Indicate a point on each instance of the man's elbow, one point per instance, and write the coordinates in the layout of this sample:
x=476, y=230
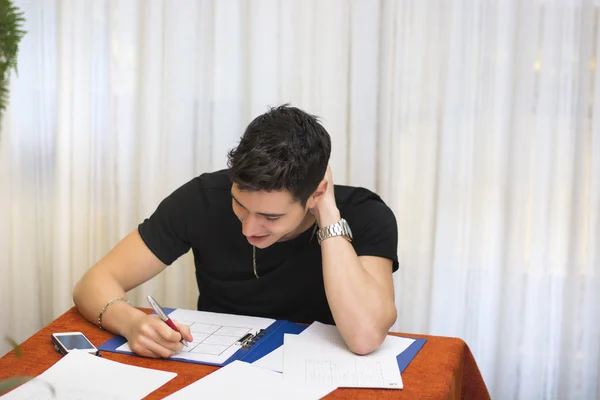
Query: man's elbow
x=363, y=347
x=81, y=289
x=367, y=341
x=77, y=293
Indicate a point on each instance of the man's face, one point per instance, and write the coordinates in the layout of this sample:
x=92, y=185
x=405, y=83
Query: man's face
x=267, y=217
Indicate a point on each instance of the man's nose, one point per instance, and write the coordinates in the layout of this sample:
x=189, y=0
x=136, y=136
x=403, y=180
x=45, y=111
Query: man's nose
x=251, y=226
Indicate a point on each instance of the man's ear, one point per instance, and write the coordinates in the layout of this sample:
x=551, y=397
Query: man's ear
x=317, y=194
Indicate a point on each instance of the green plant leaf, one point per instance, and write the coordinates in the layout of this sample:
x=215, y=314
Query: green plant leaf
x=12, y=383
x=16, y=346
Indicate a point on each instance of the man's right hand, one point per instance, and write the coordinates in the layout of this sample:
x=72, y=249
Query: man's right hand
x=149, y=336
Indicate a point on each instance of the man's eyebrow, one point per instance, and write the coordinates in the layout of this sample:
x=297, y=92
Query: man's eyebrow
x=263, y=214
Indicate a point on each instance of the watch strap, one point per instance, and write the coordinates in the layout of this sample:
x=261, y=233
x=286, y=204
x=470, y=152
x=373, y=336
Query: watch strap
x=340, y=228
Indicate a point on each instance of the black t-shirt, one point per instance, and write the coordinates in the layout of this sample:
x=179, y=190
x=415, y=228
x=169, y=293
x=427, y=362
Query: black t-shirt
x=199, y=216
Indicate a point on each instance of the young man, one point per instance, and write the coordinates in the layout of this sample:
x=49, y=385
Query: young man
x=271, y=236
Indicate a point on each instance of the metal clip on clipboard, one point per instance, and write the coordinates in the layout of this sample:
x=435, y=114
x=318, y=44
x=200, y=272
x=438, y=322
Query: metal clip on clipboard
x=248, y=340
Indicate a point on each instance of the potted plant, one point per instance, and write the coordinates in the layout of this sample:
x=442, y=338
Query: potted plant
x=11, y=33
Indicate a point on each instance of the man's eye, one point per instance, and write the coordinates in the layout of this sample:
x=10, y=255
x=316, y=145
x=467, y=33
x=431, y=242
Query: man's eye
x=271, y=219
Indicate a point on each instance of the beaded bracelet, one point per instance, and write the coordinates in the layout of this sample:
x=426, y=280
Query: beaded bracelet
x=108, y=305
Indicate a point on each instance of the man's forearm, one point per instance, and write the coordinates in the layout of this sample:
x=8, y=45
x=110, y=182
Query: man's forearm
x=93, y=292
x=361, y=307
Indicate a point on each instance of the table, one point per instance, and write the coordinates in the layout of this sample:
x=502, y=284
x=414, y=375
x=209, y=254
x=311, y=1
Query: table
x=443, y=369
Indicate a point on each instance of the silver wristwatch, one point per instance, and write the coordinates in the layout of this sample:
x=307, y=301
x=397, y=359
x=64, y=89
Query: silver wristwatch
x=340, y=228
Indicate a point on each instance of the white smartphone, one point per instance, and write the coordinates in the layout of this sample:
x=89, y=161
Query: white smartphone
x=65, y=342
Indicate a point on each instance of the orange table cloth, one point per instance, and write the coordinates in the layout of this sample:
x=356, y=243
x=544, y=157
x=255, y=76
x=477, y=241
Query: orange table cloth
x=443, y=369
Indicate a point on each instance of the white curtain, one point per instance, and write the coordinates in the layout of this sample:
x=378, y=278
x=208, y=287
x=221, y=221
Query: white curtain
x=478, y=122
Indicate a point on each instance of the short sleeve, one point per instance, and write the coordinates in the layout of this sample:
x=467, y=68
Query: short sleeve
x=166, y=231
x=374, y=230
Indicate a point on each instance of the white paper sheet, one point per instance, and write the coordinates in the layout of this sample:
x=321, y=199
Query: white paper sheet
x=240, y=380
x=392, y=345
x=311, y=361
x=79, y=376
x=272, y=361
x=215, y=335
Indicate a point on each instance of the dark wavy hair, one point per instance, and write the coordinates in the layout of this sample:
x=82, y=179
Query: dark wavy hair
x=282, y=149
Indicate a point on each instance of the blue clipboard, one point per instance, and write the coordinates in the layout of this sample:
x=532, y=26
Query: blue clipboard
x=270, y=339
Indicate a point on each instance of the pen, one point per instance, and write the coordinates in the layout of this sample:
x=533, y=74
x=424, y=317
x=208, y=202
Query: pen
x=163, y=315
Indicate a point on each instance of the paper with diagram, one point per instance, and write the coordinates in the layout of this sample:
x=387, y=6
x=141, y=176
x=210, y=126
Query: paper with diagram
x=310, y=361
x=80, y=375
x=216, y=336
x=392, y=345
